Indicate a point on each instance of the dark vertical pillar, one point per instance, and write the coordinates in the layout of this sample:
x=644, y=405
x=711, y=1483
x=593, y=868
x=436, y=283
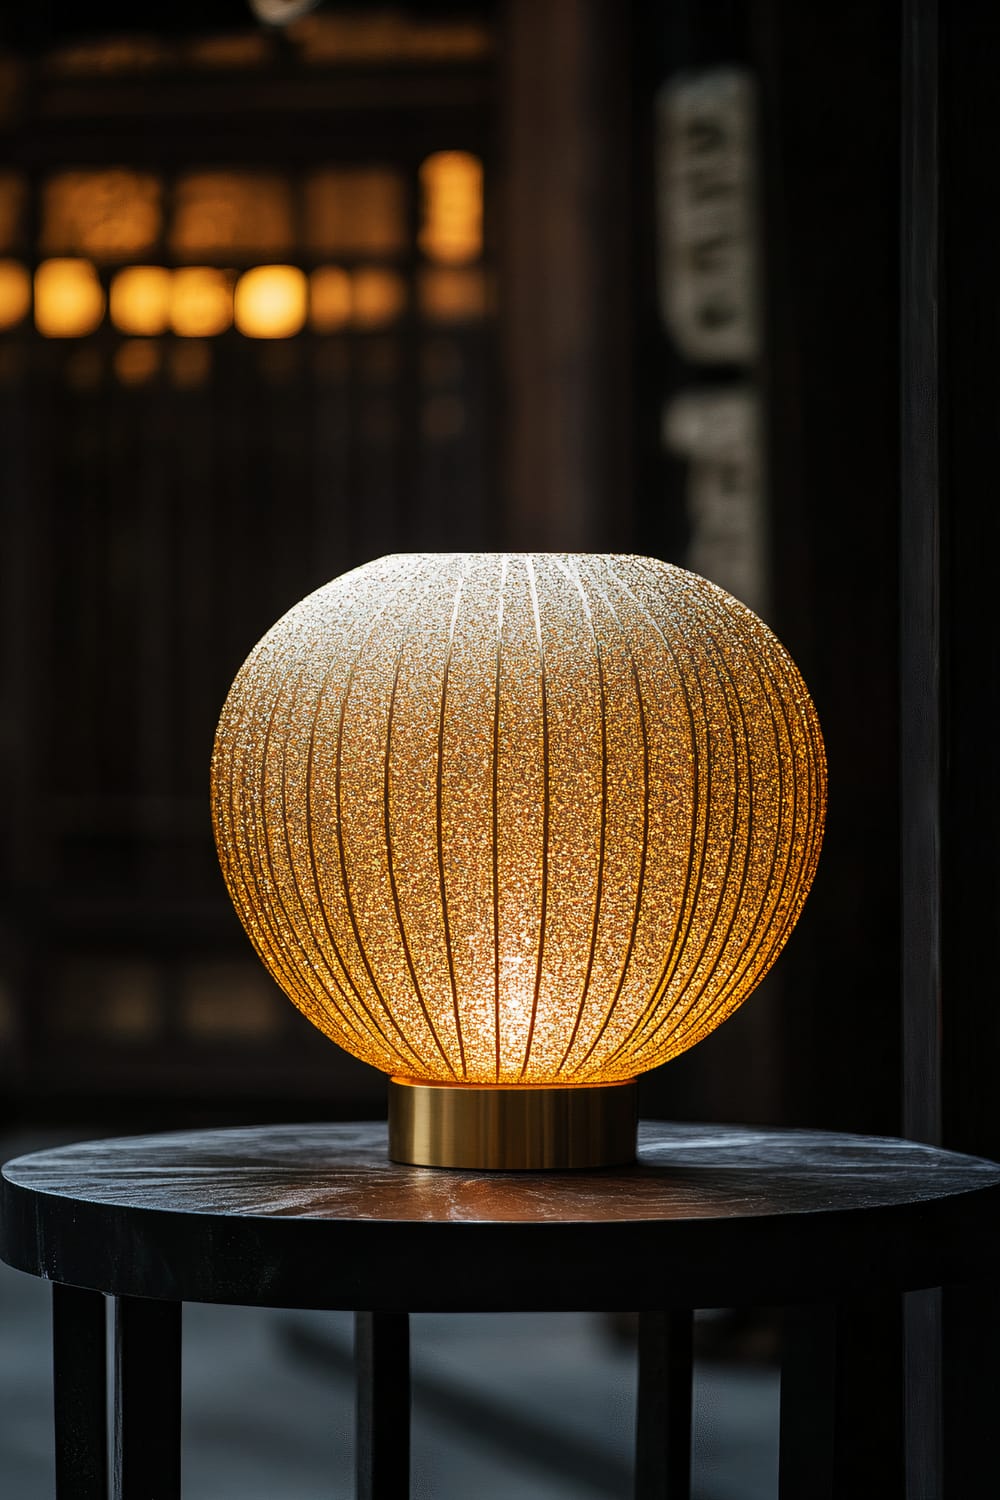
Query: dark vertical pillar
x=382, y=1368
x=970, y=691
x=950, y=531
x=563, y=273
x=147, y=1457
x=970, y=552
x=79, y=1360
x=920, y=616
x=829, y=98
x=920, y=690
x=841, y=1401
x=663, y=1417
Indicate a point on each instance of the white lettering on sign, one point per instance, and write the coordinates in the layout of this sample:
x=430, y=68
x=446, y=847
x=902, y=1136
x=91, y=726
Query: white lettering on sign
x=705, y=189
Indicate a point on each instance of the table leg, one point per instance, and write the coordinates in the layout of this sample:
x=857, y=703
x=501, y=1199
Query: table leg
x=922, y=1401
x=382, y=1368
x=147, y=1456
x=79, y=1371
x=842, y=1401
x=970, y=1325
x=663, y=1418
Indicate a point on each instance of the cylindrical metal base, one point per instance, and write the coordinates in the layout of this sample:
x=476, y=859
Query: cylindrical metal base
x=498, y=1128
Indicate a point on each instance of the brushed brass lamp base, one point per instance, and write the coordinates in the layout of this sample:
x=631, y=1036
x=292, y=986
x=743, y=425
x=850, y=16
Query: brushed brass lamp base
x=500, y=1128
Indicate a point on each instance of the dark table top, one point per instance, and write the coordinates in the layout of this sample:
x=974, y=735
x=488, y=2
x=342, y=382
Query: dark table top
x=317, y=1216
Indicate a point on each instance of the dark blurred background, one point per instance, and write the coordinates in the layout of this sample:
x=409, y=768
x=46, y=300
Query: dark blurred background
x=570, y=275
x=285, y=287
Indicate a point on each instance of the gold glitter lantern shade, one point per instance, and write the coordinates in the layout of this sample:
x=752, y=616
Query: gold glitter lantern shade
x=516, y=828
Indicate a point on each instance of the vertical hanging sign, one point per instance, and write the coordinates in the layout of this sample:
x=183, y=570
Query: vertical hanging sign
x=706, y=186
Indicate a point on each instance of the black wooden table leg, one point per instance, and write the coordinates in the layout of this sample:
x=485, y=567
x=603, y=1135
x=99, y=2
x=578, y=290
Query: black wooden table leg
x=147, y=1459
x=842, y=1401
x=382, y=1366
x=970, y=1324
x=79, y=1369
x=663, y=1419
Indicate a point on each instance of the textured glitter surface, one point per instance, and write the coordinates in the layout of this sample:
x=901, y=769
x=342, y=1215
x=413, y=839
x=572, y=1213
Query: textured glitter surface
x=512, y=818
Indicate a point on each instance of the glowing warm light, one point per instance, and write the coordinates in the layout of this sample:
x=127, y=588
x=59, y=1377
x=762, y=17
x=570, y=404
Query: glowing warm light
x=106, y=214
x=15, y=293
x=271, y=302
x=452, y=295
x=140, y=300
x=452, y=187
x=201, y=302
x=385, y=35
x=330, y=299
x=231, y=213
x=69, y=299
x=518, y=819
x=379, y=297
x=137, y=361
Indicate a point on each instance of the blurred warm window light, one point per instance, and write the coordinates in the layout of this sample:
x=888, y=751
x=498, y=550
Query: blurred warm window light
x=140, y=299
x=331, y=299
x=104, y=215
x=15, y=293
x=89, y=216
x=69, y=298
x=372, y=36
x=219, y=214
x=271, y=302
x=451, y=185
x=115, y=214
x=452, y=295
x=379, y=297
x=201, y=301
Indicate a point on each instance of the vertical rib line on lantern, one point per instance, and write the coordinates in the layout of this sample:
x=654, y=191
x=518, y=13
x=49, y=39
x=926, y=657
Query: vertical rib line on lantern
x=348, y=901
x=293, y=873
x=266, y=940
x=496, y=814
x=599, y=884
x=642, y=1037
x=365, y=638
x=707, y=1022
x=733, y=905
x=750, y=948
x=699, y=796
x=440, y=829
x=390, y=861
x=351, y=986
x=545, y=816
x=641, y=876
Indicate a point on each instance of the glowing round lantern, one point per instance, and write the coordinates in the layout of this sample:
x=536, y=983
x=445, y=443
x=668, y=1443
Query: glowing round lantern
x=516, y=828
x=69, y=299
x=201, y=302
x=140, y=299
x=271, y=302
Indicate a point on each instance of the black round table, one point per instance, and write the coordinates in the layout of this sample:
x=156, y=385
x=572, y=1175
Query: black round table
x=316, y=1216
